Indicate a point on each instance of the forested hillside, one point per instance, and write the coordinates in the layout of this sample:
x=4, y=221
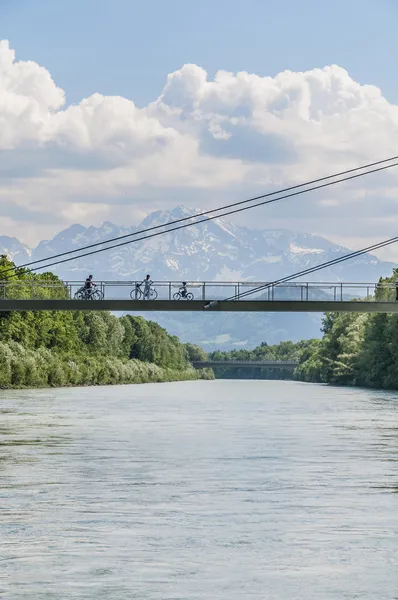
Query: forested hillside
x=356, y=349
x=39, y=349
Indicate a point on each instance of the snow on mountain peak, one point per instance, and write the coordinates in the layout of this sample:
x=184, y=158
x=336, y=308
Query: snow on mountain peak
x=299, y=250
x=162, y=217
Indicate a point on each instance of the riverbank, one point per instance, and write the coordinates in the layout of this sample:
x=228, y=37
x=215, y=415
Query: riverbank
x=356, y=350
x=22, y=368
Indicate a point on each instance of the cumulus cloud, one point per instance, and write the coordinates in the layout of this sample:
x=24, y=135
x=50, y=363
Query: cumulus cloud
x=201, y=141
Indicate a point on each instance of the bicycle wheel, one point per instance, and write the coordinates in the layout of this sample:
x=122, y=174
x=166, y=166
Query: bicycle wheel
x=97, y=295
x=136, y=294
x=79, y=295
x=177, y=296
x=190, y=296
x=153, y=295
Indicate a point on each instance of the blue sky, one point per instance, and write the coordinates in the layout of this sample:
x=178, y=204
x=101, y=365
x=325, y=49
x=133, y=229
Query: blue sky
x=126, y=47
x=200, y=136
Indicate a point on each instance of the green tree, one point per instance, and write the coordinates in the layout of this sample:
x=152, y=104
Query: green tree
x=80, y=348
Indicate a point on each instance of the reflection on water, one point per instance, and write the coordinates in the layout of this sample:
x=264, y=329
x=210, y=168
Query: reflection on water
x=201, y=490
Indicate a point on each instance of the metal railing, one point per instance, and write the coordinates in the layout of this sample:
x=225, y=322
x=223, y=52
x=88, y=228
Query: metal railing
x=208, y=290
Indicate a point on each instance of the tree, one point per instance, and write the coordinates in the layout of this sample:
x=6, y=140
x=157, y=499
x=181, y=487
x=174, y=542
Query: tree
x=196, y=353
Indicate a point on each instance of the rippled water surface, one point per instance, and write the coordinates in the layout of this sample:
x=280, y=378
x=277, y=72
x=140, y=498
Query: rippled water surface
x=203, y=490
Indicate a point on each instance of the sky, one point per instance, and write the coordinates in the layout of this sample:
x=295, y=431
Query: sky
x=110, y=109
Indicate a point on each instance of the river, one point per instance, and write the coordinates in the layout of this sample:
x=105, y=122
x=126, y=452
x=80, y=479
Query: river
x=220, y=490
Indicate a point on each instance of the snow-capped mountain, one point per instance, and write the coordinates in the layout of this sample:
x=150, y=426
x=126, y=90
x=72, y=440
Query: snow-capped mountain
x=216, y=250
x=17, y=252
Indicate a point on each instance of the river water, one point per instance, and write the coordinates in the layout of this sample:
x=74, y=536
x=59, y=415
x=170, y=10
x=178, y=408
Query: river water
x=217, y=490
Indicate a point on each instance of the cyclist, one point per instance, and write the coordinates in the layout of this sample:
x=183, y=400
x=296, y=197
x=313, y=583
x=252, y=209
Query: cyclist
x=88, y=286
x=147, y=286
x=183, y=289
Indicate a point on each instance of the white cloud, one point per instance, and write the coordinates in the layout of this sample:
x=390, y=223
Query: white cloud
x=28, y=97
x=201, y=141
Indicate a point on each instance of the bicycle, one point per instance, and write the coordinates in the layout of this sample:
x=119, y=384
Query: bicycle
x=137, y=293
x=83, y=294
x=179, y=296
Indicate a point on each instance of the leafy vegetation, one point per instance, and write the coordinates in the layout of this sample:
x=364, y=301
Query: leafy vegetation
x=57, y=348
x=356, y=349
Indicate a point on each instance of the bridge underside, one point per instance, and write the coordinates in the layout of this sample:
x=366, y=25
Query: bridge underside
x=244, y=365
x=199, y=306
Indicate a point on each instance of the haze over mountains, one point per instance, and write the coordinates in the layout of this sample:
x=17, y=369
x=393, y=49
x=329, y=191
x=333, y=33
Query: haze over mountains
x=214, y=251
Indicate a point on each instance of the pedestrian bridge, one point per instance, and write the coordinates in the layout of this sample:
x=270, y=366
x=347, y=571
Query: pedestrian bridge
x=124, y=296
x=246, y=364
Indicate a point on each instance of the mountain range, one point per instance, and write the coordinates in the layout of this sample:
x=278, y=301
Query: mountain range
x=216, y=250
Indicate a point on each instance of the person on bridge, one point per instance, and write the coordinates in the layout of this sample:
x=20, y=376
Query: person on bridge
x=147, y=286
x=88, y=286
x=183, y=289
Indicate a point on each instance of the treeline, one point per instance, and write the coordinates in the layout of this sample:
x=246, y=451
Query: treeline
x=356, y=349
x=281, y=351
x=50, y=348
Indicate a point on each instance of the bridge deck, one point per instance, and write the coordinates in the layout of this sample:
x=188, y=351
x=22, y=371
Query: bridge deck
x=296, y=306
x=274, y=364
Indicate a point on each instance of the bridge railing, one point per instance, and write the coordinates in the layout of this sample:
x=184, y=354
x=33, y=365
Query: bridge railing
x=209, y=290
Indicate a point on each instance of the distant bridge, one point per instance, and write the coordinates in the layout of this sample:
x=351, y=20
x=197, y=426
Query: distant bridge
x=124, y=296
x=246, y=364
